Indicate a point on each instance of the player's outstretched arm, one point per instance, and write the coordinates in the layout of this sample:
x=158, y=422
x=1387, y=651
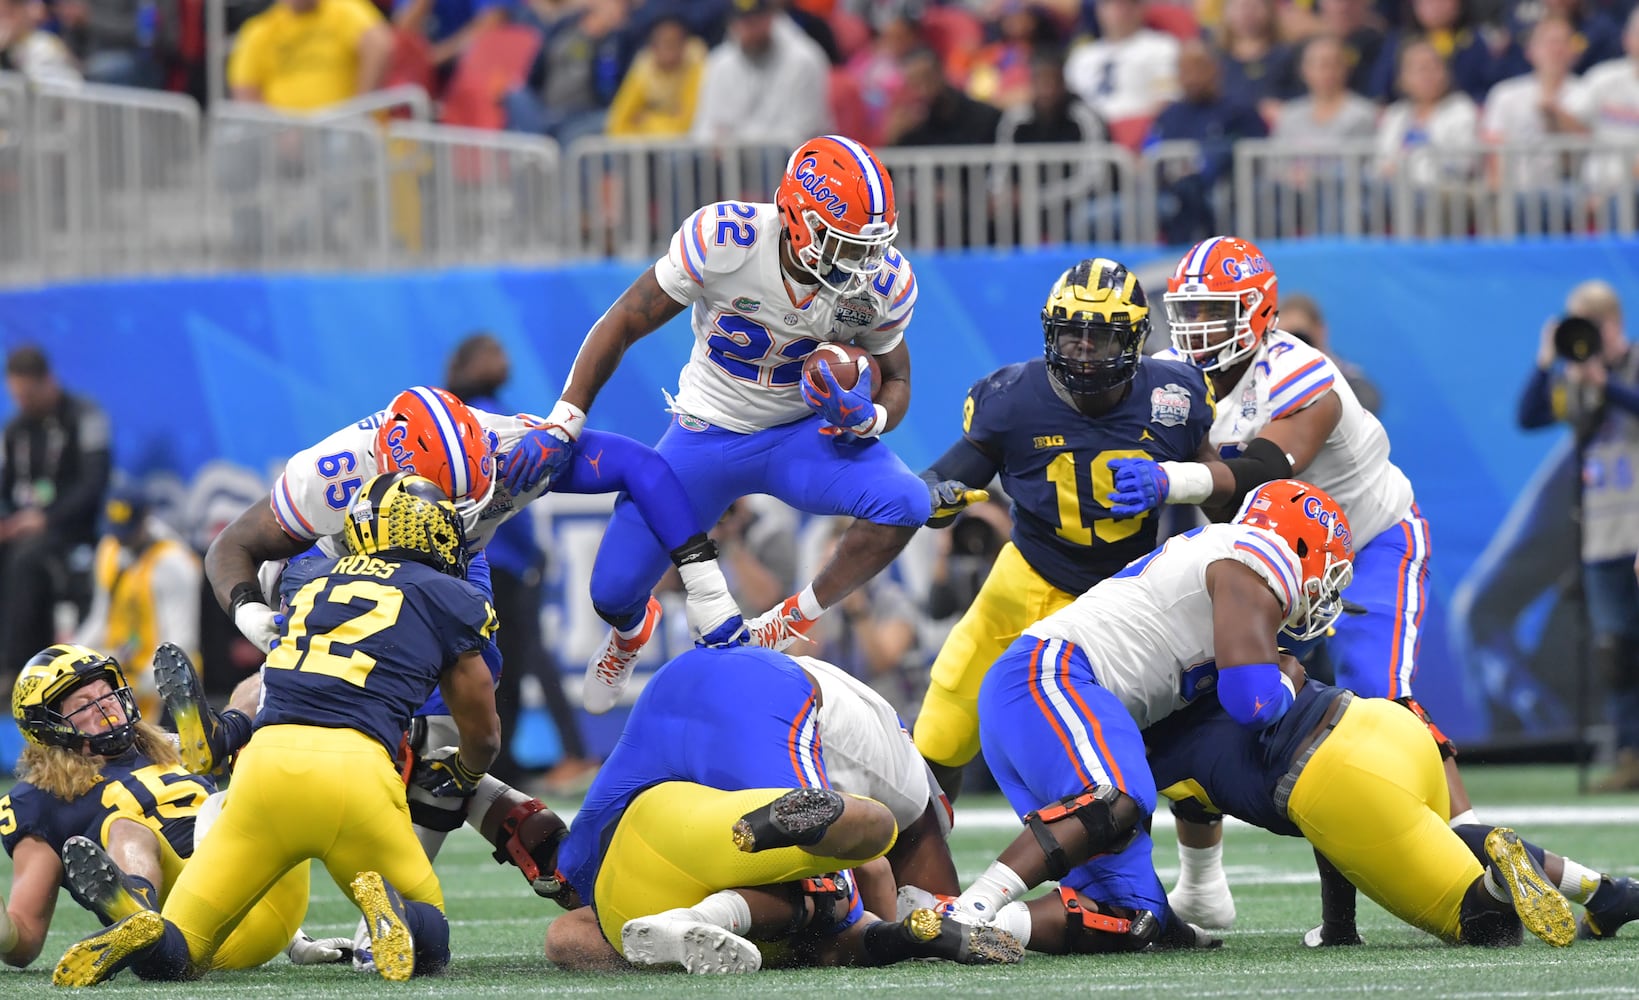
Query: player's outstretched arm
x=36, y=873
x=469, y=691
x=1246, y=618
x=641, y=310
x=956, y=480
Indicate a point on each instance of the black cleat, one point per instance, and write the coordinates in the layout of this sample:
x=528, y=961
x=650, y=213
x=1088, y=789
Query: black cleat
x=928, y=935
x=97, y=883
x=798, y=818
x=1615, y=903
x=198, y=730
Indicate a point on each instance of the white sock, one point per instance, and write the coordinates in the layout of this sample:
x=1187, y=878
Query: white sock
x=1014, y=918
x=1199, y=866
x=727, y=909
x=1463, y=819
x=997, y=887
x=1498, y=893
x=431, y=840
x=1578, y=882
x=808, y=604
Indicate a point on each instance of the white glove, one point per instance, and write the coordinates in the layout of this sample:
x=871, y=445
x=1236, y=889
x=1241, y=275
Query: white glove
x=304, y=950
x=714, y=617
x=259, y=623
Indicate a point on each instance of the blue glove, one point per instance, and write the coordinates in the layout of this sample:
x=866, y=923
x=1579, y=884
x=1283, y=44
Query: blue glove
x=842, y=408
x=543, y=454
x=1140, y=486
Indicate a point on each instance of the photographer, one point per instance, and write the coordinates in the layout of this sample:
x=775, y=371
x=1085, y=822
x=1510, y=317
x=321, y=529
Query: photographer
x=1587, y=377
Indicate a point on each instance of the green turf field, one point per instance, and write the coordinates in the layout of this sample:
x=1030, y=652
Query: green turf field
x=498, y=928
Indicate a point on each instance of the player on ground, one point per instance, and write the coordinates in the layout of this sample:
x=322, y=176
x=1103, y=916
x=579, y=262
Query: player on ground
x=1285, y=410
x=492, y=465
x=367, y=642
x=651, y=850
x=1050, y=427
x=104, y=808
x=765, y=286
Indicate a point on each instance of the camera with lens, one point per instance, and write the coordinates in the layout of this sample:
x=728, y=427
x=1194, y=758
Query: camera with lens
x=1577, y=339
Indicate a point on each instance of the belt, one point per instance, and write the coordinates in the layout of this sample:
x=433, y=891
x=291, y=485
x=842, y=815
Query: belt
x=1283, y=788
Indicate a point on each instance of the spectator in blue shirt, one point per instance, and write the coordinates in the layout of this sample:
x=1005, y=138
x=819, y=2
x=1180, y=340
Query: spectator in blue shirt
x=1448, y=26
x=1598, y=37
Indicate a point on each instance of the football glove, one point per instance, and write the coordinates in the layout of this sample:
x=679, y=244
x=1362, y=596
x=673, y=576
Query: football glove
x=259, y=623
x=304, y=950
x=1140, y=486
x=950, y=497
x=442, y=774
x=849, y=410
x=541, y=456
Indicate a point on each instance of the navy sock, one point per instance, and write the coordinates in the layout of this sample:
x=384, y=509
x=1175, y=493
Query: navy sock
x=1473, y=834
x=233, y=732
x=166, y=960
x=432, y=937
x=142, y=889
x=1606, y=895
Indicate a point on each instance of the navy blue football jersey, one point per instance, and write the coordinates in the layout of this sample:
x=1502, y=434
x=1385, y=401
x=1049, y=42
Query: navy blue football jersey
x=366, y=644
x=1234, y=766
x=1054, y=461
x=166, y=797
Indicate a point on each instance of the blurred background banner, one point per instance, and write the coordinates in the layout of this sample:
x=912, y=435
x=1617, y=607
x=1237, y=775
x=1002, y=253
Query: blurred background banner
x=213, y=382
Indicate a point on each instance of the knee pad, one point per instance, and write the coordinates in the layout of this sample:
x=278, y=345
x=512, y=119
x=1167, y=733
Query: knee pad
x=1192, y=811
x=1105, y=928
x=1109, y=815
x=1448, y=749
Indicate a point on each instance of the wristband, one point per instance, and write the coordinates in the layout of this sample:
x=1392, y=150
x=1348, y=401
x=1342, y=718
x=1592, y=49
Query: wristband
x=244, y=593
x=1188, y=482
x=568, y=418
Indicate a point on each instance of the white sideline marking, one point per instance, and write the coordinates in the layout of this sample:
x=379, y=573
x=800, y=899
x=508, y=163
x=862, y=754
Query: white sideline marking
x=1521, y=816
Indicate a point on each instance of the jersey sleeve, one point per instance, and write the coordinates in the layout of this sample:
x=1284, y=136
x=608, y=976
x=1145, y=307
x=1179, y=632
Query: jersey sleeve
x=896, y=286
x=1271, y=559
x=985, y=412
x=1203, y=407
x=682, y=272
x=466, y=620
x=1298, y=377
x=23, y=814
x=310, y=497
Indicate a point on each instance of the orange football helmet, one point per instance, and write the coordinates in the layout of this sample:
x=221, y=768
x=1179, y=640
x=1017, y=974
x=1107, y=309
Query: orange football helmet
x=436, y=436
x=1220, y=302
x=1316, y=530
x=837, y=205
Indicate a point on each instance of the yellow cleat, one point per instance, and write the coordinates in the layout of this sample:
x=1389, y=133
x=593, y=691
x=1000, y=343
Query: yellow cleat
x=1541, y=908
x=391, y=943
x=98, y=957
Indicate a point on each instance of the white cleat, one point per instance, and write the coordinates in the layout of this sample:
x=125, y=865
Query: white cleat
x=1209, y=905
x=780, y=627
x=610, y=670
x=677, y=937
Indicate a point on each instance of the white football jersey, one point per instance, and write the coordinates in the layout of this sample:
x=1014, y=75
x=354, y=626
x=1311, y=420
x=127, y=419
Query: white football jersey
x=1287, y=375
x=750, y=333
x=867, y=750
x=310, y=498
x=1147, y=631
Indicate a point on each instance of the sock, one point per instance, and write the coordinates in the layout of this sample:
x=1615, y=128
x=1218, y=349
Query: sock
x=431, y=840
x=1199, y=866
x=1606, y=891
x=432, y=937
x=997, y=887
x=1498, y=892
x=726, y=909
x=142, y=889
x=1464, y=818
x=489, y=789
x=1579, y=883
x=808, y=604
x=233, y=732
x=1014, y=918
x=166, y=960
x=1337, y=901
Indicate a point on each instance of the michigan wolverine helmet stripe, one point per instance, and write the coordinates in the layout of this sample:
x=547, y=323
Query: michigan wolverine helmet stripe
x=48, y=677
x=399, y=515
x=1095, y=321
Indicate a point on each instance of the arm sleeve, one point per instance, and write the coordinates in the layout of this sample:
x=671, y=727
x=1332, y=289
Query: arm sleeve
x=78, y=505
x=608, y=463
x=1254, y=694
x=1536, y=403
x=964, y=462
x=682, y=272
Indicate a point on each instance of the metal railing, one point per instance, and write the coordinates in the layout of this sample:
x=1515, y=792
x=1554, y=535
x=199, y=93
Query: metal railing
x=16, y=204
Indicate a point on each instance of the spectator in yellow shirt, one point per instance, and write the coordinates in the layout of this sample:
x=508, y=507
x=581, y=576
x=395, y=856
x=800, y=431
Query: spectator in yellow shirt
x=657, y=98
x=302, y=55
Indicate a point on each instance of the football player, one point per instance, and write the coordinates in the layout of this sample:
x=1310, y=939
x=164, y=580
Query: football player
x=367, y=641
x=766, y=285
x=491, y=465
x=1050, y=427
x=104, y=808
x=705, y=799
x=1284, y=409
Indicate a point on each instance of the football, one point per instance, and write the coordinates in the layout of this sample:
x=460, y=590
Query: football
x=846, y=362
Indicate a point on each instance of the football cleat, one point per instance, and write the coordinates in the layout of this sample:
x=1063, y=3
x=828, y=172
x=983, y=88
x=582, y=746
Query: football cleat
x=931, y=936
x=392, y=946
x=1602, y=917
x=679, y=937
x=1207, y=904
x=799, y=818
x=97, y=958
x=98, y=883
x=1320, y=937
x=1541, y=908
x=610, y=670
x=779, y=628
x=198, y=731
x=910, y=898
